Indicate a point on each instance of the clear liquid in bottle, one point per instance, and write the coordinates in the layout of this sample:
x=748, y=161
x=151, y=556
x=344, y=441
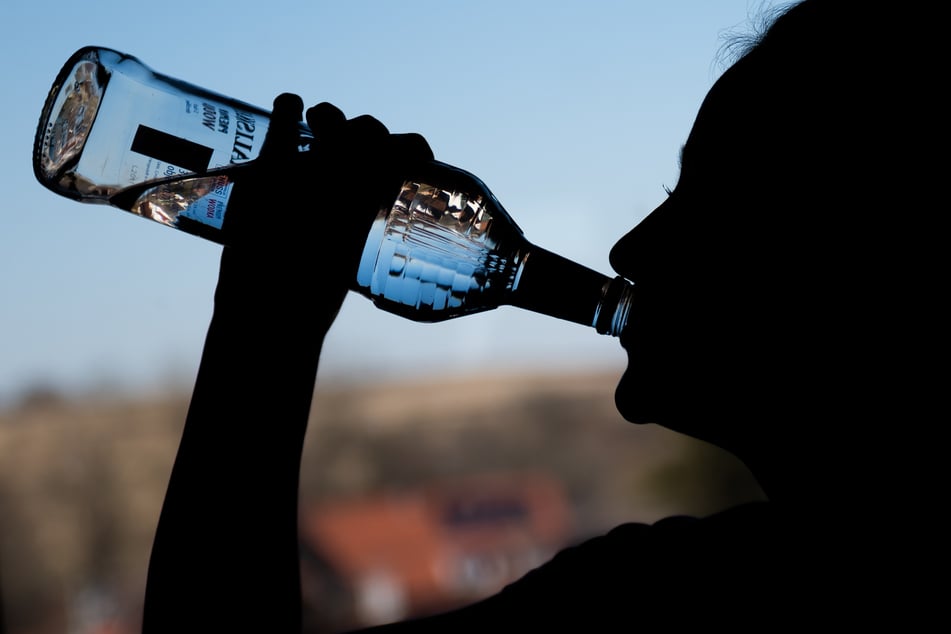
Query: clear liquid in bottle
x=446, y=250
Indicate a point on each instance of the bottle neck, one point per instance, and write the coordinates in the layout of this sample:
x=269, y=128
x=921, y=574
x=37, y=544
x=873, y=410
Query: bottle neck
x=553, y=285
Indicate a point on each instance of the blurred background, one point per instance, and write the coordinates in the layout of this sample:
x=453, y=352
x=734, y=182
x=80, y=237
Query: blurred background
x=487, y=442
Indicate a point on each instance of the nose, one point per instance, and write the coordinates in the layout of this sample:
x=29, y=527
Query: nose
x=639, y=248
x=619, y=257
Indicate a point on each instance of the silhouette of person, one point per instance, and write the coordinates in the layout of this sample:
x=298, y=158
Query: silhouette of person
x=785, y=299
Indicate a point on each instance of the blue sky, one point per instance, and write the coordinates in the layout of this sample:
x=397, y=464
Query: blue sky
x=572, y=112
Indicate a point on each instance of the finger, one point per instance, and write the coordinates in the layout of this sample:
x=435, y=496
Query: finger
x=284, y=128
x=288, y=107
x=366, y=131
x=325, y=119
x=411, y=146
x=362, y=140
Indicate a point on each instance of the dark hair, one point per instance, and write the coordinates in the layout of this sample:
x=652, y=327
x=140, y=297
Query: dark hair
x=739, y=41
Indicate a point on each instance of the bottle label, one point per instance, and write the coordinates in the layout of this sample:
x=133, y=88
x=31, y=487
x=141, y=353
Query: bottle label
x=169, y=133
x=210, y=208
x=201, y=199
x=174, y=150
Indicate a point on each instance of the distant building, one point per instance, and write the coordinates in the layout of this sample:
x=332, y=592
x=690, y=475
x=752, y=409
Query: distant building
x=395, y=555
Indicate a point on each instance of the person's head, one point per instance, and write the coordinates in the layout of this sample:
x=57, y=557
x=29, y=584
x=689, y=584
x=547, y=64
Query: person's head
x=758, y=278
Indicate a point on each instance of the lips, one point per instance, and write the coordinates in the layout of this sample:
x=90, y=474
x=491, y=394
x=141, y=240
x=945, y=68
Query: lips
x=626, y=337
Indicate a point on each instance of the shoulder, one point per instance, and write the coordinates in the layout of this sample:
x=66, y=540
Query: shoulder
x=674, y=572
x=674, y=545
x=721, y=564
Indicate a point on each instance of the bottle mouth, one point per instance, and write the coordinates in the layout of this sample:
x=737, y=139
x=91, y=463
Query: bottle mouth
x=617, y=297
x=66, y=119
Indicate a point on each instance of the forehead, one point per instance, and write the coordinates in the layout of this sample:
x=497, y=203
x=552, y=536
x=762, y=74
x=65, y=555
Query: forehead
x=737, y=120
x=716, y=128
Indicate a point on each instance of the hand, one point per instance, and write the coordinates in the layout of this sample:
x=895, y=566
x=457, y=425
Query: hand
x=300, y=219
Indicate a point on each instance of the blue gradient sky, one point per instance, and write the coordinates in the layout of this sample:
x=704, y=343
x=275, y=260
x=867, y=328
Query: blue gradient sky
x=572, y=112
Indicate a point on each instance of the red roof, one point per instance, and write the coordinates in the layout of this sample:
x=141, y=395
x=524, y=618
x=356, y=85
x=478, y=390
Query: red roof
x=444, y=544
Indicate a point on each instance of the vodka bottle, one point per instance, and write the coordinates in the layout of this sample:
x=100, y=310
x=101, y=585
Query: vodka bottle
x=114, y=132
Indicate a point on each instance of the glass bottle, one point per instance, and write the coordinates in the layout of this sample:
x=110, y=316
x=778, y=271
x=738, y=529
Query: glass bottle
x=114, y=132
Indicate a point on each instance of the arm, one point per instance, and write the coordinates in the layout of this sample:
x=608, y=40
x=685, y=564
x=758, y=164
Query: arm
x=227, y=534
x=225, y=555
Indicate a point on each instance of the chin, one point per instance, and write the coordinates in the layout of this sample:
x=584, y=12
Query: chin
x=633, y=404
x=642, y=403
